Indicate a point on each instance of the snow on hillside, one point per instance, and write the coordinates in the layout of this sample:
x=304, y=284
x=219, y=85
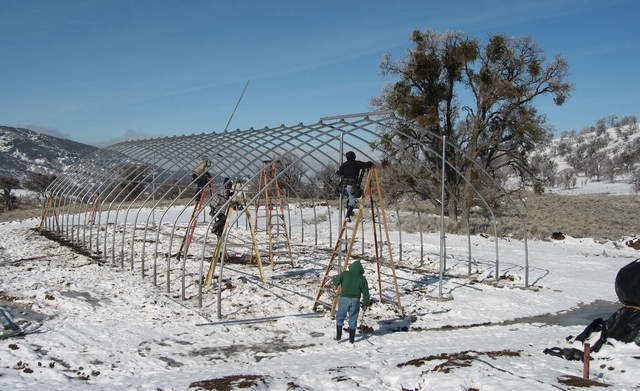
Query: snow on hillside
x=620, y=186
x=106, y=328
x=23, y=150
x=617, y=146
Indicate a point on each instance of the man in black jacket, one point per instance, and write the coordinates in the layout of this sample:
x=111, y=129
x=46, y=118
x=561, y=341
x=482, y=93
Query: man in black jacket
x=349, y=171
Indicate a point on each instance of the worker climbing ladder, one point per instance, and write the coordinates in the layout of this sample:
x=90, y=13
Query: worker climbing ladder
x=272, y=199
x=202, y=197
x=220, y=245
x=372, y=201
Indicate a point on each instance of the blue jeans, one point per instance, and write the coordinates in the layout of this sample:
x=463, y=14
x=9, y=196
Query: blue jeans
x=351, y=306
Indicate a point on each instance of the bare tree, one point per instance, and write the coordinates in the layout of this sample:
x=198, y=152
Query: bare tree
x=567, y=178
x=294, y=171
x=608, y=169
x=134, y=179
x=7, y=184
x=328, y=182
x=544, y=168
x=39, y=183
x=498, y=127
x=635, y=181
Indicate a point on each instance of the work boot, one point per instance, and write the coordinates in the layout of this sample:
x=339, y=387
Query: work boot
x=349, y=213
x=352, y=335
x=338, y=333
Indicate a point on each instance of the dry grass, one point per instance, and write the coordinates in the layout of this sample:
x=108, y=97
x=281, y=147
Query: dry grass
x=596, y=216
x=20, y=214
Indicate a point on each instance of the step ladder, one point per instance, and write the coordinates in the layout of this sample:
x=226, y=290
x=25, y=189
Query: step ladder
x=241, y=197
x=48, y=207
x=202, y=197
x=372, y=201
x=93, y=205
x=271, y=198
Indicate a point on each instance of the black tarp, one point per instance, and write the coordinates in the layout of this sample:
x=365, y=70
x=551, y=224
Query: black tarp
x=623, y=325
x=628, y=284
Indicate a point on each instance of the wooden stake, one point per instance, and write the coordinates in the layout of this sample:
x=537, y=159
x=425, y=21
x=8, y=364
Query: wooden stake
x=585, y=360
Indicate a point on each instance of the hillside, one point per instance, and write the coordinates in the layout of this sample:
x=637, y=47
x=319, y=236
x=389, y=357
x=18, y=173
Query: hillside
x=23, y=150
x=599, y=159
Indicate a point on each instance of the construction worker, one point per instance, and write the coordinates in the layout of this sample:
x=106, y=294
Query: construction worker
x=353, y=284
x=217, y=202
x=201, y=174
x=228, y=187
x=350, y=172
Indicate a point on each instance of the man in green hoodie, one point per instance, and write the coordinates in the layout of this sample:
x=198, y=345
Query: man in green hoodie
x=353, y=285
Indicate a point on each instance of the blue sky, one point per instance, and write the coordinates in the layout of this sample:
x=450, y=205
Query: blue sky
x=97, y=71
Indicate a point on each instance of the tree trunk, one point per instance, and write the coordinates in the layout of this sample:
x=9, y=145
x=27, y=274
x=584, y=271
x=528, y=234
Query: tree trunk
x=7, y=199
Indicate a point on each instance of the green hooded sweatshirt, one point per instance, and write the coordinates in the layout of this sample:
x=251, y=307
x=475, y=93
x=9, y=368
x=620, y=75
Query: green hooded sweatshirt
x=353, y=283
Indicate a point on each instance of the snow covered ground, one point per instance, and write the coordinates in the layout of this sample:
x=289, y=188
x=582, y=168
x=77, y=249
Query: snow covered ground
x=620, y=186
x=104, y=327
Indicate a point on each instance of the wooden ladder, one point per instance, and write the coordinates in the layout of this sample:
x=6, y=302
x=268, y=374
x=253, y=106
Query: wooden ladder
x=94, y=203
x=217, y=251
x=193, y=220
x=273, y=201
x=48, y=207
x=372, y=200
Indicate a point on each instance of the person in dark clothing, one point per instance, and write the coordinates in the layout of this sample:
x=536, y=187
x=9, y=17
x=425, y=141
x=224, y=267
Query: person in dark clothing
x=217, y=202
x=353, y=285
x=350, y=171
x=201, y=175
x=228, y=187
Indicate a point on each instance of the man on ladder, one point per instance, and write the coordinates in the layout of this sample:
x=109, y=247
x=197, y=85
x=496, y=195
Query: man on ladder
x=350, y=173
x=218, y=201
x=201, y=175
x=203, y=181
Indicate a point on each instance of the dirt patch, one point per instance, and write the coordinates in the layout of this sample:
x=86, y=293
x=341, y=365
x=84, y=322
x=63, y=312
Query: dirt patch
x=449, y=327
x=229, y=383
x=366, y=329
x=171, y=362
x=245, y=259
x=457, y=360
x=633, y=243
x=5, y=297
x=85, y=296
x=276, y=346
x=576, y=381
x=70, y=245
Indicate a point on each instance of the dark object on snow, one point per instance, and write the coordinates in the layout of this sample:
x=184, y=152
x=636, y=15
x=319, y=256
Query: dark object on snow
x=628, y=284
x=623, y=325
x=557, y=236
x=218, y=225
x=352, y=335
x=633, y=243
x=571, y=354
x=6, y=320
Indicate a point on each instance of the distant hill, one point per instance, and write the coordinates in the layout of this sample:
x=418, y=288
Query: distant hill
x=23, y=150
x=605, y=157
